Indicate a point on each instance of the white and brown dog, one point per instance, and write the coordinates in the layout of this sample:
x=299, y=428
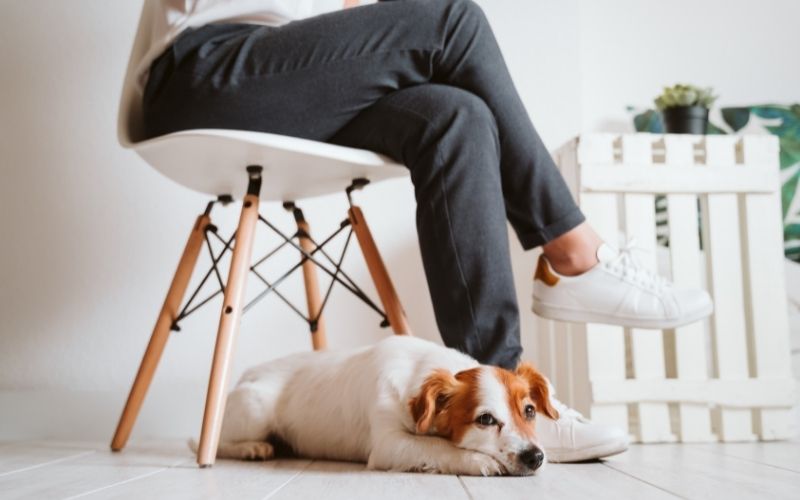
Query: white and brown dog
x=403, y=404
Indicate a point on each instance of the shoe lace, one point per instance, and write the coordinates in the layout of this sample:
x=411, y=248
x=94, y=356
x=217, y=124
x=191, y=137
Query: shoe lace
x=629, y=267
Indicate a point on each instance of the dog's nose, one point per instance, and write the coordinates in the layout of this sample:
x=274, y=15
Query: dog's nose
x=532, y=458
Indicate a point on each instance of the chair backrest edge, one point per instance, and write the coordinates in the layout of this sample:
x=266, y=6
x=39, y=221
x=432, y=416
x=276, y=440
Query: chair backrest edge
x=129, y=115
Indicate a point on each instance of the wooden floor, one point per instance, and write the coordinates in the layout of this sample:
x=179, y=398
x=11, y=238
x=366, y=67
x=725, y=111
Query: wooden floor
x=42, y=470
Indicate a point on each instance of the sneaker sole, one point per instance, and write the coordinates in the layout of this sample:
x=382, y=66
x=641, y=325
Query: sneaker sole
x=599, y=451
x=573, y=316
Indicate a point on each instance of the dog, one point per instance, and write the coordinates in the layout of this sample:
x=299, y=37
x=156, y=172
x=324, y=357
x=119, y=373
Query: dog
x=402, y=404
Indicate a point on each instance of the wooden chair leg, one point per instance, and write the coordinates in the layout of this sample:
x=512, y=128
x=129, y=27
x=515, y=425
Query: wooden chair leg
x=313, y=298
x=169, y=311
x=229, y=324
x=380, y=276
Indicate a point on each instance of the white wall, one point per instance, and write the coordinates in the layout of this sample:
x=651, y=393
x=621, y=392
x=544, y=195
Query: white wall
x=91, y=235
x=630, y=49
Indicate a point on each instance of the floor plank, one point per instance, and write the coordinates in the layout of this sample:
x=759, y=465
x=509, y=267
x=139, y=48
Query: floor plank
x=22, y=456
x=565, y=482
x=45, y=469
x=89, y=472
x=227, y=479
x=348, y=481
x=694, y=473
x=785, y=455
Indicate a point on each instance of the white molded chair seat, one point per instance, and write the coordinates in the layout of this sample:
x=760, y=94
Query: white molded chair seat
x=213, y=161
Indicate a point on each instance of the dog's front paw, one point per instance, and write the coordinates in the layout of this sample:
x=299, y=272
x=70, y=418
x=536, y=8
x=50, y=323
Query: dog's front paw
x=422, y=467
x=246, y=450
x=479, y=464
x=257, y=451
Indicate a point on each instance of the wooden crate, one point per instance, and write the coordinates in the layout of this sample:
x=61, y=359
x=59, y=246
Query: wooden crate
x=726, y=378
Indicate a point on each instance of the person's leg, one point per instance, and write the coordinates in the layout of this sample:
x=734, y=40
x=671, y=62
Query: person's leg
x=310, y=77
x=448, y=139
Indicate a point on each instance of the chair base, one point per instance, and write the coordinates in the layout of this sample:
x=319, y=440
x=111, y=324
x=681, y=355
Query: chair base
x=242, y=265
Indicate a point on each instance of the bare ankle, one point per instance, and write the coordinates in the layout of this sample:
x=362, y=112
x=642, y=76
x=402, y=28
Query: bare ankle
x=574, y=252
x=571, y=264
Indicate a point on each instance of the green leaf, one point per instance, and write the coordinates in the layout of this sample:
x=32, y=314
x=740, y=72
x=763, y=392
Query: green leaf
x=714, y=130
x=685, y=95
x=792, y=231
x=790, y=150
x=736, y=118
x=789, y=191
x=768, y=112
x=648, y=121
x=793, y=254
x=771, y=112
x=784, y=129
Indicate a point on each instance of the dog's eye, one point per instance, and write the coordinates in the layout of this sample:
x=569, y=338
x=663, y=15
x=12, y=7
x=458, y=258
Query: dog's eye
x=486, y=419
x=530, y=412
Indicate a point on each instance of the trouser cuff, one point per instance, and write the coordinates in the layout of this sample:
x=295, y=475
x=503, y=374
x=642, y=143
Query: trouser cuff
x=553, y=231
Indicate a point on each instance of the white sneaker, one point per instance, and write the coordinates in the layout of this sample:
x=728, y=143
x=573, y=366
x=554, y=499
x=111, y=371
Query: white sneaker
x=616, y=291
x=574, y=438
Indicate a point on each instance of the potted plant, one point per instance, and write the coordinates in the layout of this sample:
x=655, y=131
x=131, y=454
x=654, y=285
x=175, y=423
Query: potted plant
x=685, y=108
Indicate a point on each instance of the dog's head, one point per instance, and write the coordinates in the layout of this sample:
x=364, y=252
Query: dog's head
x=487, y=409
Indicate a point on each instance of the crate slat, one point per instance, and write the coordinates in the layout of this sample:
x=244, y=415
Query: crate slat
x=762, y=393
x=721, y=242
x=688, y=358
x=656, y=179
x=603, y=345
x=766, y=304
x=647, y=346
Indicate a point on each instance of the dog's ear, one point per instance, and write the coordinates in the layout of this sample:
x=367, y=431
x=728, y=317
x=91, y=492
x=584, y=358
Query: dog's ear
x=539, y=389
x=433, y=395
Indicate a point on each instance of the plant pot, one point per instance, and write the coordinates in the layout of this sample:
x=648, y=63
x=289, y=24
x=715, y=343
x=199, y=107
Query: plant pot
x=685, y=120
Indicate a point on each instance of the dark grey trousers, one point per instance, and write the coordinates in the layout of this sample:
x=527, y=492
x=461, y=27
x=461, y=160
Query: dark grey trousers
x=422, y=81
